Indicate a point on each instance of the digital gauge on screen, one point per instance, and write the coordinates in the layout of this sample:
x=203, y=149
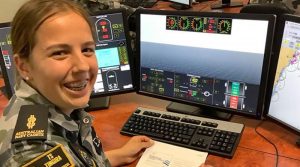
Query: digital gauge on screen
x=197, y=24
x=224, y=26
x=172, y=23
x=184, y=23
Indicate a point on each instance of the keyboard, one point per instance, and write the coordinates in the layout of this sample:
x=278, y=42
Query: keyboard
x=139, y=3
x=213, y=136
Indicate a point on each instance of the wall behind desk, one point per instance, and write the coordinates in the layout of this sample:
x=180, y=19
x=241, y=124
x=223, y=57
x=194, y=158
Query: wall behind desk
x=8, y=8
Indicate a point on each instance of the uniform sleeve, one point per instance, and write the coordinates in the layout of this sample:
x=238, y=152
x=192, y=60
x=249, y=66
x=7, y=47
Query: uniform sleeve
x=23, y=152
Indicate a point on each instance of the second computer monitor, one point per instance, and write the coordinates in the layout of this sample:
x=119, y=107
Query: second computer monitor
x=113, y=52
x=285, y=77
x=213, y=60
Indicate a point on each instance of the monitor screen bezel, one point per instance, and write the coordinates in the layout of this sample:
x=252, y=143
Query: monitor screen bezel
x=129, y=52
x=8, y=88
x=263, y=83
x=273, y=67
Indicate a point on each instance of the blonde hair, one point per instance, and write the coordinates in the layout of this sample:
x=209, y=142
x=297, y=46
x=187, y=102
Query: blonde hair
x=29, y=18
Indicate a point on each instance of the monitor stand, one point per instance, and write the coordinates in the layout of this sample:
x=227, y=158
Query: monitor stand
x=179, y=6
x=226, y=4
x=98, y=103
x=196, y=111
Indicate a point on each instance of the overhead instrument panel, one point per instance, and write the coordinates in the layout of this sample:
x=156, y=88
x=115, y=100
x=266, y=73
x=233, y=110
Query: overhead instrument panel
x=199, y=24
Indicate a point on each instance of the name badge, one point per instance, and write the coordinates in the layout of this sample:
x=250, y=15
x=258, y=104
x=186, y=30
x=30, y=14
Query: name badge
x=56, y=157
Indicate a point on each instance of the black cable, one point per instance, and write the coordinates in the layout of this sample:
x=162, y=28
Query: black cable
x=290, y=158
x=253, y=149
x=268, y=153
x=276, y=150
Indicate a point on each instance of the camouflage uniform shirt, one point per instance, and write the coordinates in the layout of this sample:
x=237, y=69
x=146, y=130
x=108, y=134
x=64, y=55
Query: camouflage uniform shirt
x=62, y=130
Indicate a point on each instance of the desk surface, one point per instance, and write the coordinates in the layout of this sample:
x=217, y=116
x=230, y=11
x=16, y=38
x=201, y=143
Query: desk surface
x=253, y=150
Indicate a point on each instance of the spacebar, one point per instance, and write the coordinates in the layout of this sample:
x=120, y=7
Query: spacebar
x=151, y=134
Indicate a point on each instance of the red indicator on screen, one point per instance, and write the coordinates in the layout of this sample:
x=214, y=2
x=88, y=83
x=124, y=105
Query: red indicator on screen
x=234, y=102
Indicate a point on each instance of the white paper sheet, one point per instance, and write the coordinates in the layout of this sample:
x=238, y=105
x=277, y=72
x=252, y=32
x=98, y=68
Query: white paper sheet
x=167, y=155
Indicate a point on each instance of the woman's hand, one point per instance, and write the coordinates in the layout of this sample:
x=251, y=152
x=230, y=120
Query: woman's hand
x=132, y=150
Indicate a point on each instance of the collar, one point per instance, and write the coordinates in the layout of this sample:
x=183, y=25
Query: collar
x=28, y=93
x=66, y=122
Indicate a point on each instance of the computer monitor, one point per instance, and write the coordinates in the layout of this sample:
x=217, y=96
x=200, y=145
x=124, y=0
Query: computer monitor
x=113, y=52
x=216, y=61
x=285, y=76
x=181, y=4
x=114, y=56
x=6, y=60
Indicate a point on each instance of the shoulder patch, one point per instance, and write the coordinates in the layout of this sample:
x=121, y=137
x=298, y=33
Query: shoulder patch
x=32, y=123
x=56, y=157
